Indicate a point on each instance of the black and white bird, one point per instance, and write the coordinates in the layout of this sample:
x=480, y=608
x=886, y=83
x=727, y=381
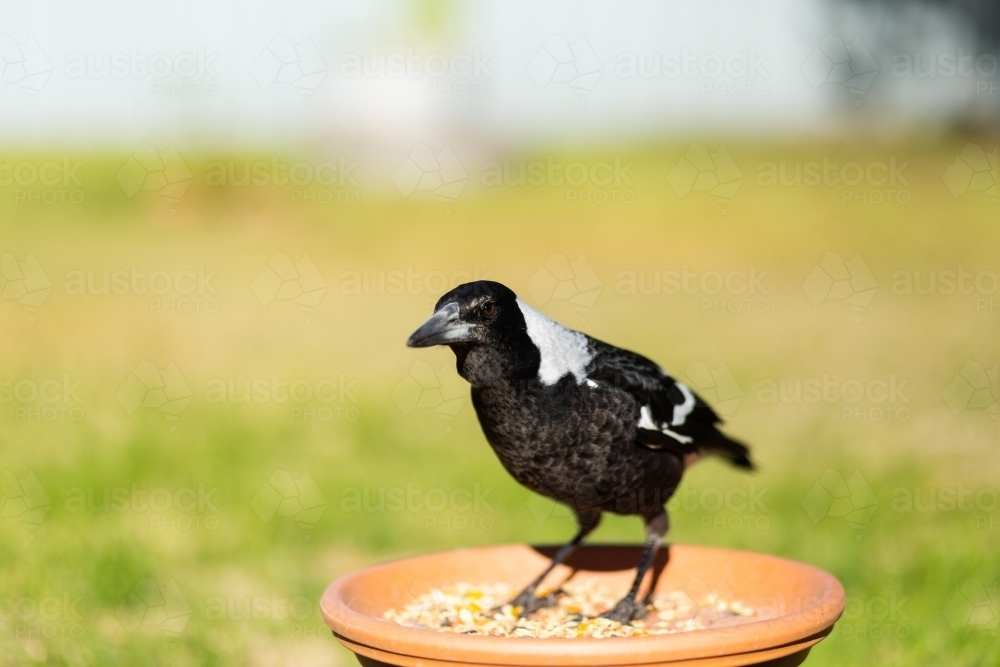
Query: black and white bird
x=590, y=425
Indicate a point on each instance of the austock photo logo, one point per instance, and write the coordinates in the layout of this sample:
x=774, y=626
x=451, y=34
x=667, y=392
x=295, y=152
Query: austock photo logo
x=979, y=286
x=154, y=608
x=836, y=62
x=875, y=616
x=178, y=74
x=461, y=74
x=599, y=182
x=561, y=62
x=458, y=508
x=850, y=282
x=24, y=500
x=734, y=508
x=323, y=182
x=716, y=385
x=165, y=390
x=284, y=62
x=739, y=507
x=274, y=607
x=973, y=506
x=974, y=388
x=30, y=618
x=733, y=74
x=285, y=279
x=151, y=170
x=23, y=281
x=284, y=496
x=24, y=64
x=426, y=170
x=872, y=400
x=324, y=400
x=973, y=170
x=427, y=388
x=702, y=171
x=575, y=282
x=147, y=387
x=876, y=182
x=735, y=291
x=46, y=400
x=974, y=606
x=183, y=509
x=978, y=70
x=184, y=291
x=38, y=182
x=849, y=499
x=407, y=281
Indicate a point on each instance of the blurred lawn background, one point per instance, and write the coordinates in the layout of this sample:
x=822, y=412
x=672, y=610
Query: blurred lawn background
x=187, y=501
x=208, y=413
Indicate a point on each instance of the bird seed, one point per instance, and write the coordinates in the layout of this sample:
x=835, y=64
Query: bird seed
x=485, y=610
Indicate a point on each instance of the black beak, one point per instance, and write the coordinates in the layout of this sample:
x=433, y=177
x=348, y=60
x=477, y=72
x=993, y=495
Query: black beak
x=443, y=328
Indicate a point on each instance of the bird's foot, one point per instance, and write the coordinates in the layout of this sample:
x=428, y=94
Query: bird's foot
x=527, y=602
x=625, y=611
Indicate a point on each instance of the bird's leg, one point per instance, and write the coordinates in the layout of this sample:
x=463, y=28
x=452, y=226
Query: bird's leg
x=587, y=520
x=626, y=609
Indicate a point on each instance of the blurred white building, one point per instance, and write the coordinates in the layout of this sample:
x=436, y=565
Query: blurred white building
x=386, y=74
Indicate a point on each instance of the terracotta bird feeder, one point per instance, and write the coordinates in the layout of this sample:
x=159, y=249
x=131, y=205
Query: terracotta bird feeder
x=795, y=607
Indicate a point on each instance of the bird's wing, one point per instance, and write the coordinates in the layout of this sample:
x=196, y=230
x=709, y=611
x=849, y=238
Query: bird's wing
x=671, y=416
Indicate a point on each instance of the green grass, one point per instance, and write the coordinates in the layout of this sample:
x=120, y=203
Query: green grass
x=71, y=576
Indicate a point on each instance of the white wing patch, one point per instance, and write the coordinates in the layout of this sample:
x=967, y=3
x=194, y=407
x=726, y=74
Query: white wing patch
x=646, y=422
x=684, y=409
x=563, y=350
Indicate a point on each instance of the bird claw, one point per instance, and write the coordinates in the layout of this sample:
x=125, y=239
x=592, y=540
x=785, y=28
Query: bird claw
x=527, y=602
x=624, y=612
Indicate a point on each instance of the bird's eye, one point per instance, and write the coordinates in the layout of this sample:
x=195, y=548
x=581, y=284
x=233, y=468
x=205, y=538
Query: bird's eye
x=488, y=309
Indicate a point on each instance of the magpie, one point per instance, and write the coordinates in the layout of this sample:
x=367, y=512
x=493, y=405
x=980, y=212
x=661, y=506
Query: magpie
x=587, y=424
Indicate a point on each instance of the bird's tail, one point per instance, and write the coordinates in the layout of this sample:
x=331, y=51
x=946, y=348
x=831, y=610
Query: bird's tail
x=732, y=450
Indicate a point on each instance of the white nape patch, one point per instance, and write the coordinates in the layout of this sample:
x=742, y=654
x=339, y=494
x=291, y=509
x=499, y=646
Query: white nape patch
x=684, y=409
x=563, y=350
x=646, y=422
x=646, y=419
x=591, y=383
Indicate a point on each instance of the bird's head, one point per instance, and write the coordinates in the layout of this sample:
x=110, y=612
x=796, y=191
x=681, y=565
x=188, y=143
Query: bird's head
x=484, y=326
